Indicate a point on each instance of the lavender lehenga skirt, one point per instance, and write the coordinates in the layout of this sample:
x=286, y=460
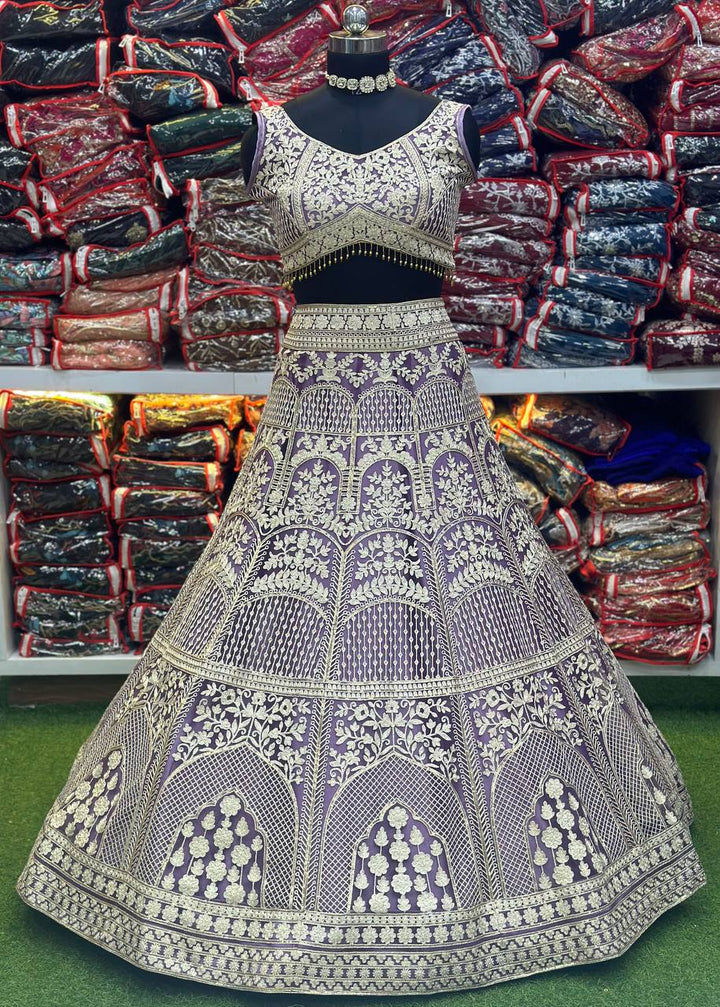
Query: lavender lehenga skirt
x=378, y=745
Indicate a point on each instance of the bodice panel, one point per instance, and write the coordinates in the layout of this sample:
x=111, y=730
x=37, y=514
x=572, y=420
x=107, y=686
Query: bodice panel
x=399, y=201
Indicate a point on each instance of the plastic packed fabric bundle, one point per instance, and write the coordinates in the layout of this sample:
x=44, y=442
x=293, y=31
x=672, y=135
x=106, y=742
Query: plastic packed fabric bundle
x=606, y=526
x=527, y=197
x=49, y=469
x=92, y=450
x=50, y=602
x=544, y=346
x=680, y=342
x=572, y=105
x=244, y=351
x=567, y=170
x=119, y=229
x=211, y=443
x=90, y=628
x=205, y=197
x=144, y=501
x=172, y=16
x=37, y=646
x=558, y=470
x=212, y=61
x=143, y=620
x=92, y=299
x=691, y=290
x=171, y=173
x=671, y=493
x=84, y=413
x=199, y=129
x=155, y=95
x=197, y=526
x=20, y=231
x=249, y=21
x=655, y=448
x=166, y=248
x=505, y=26
x=42, y=272
x=603, y=16
x=83, y=63
x=245, y=228
x=573, y=422
x=122, y=163
x=61, y=495
x=107, y=355
x=42, y=19
x=659, y=644
x=96, y=578
x=159, y=413
x=635, y=50
x=535, y=499
x=278, y=50
x=185, y=474
x=690, y=606
x=228, y=310
x=144, y=324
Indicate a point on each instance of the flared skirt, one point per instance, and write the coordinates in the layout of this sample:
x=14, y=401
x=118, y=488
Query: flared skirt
x=378, y=745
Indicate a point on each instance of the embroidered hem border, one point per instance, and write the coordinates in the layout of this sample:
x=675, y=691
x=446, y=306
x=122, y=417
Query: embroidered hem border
x=361, y=954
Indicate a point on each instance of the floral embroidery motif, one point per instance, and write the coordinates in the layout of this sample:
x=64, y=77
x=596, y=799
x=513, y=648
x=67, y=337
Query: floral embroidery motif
x=275, y=726
x=505, y=714
x=83, y=817
x=474, y=558
x=401, y=867
x=364, y=732
x=218, y=855
x=564, y=845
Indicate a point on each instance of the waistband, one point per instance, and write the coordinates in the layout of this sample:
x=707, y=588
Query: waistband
x=385, y=325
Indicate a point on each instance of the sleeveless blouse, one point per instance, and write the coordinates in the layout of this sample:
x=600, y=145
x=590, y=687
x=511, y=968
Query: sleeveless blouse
x=399, y=201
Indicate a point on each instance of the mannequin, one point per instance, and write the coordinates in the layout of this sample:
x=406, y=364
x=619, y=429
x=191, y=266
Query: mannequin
x=359, y=123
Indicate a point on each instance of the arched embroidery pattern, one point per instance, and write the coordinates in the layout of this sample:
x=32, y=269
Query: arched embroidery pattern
x=564, y=846
x=83, y=817
x=401, y=867
x=218, y=854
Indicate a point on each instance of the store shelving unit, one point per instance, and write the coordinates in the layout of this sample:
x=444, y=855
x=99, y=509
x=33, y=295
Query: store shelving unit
x=695, y=391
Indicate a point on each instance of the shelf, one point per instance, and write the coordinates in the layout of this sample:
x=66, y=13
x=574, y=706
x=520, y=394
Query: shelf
x=122, y=664
x=489, y=380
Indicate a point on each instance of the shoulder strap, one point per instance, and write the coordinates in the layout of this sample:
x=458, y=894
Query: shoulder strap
x=255, y=188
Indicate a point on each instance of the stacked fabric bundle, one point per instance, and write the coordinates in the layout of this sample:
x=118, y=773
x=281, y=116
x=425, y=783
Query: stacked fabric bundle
x=30, y=286
x=282, y=44
x=452, y=59
x=51, y=46
x=95, y=187
x=612, y=262
x=501, y=242
x=231, y=308
x=68, y=585
x=170, y=472
x=549, y=475
x=613, y=238
x=687, y=113
x=649, y=569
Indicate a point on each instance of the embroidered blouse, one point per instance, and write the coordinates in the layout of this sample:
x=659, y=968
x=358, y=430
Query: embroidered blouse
x=399, y=201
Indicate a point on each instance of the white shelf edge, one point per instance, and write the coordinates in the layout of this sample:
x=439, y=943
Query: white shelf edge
x=490, y=380
x=122, y=664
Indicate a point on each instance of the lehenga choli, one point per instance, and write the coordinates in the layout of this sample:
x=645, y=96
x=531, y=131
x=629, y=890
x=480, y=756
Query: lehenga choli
x=378, y=745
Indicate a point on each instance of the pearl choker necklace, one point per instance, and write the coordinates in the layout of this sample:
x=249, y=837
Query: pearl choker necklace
x=380, y=82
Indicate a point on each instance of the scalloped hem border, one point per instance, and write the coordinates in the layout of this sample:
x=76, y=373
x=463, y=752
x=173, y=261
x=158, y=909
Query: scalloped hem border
x=588, y=938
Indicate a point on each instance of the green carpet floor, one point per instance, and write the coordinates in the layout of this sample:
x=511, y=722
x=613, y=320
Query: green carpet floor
x=675, y=963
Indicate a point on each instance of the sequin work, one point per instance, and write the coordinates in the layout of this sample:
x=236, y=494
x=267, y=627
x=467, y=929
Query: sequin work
x=377, y=746
x=399, y=201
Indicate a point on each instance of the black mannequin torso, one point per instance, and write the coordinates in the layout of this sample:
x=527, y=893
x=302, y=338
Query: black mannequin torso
x=357, y=124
